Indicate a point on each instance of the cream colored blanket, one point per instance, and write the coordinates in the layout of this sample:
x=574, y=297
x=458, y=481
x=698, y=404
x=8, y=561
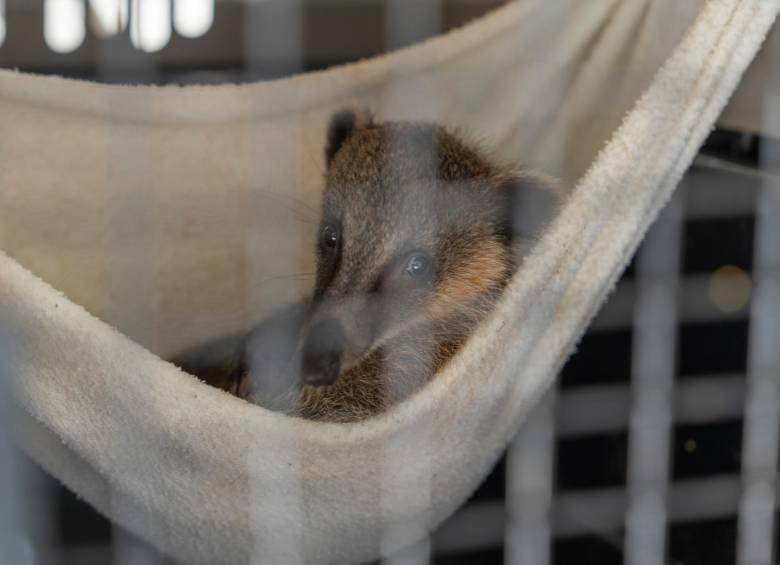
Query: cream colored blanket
x=156, y=218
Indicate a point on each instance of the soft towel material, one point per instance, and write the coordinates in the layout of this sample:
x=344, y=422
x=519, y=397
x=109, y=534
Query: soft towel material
x=167, y=212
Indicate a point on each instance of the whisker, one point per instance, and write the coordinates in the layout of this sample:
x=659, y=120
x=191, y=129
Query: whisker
x=294, y=276
x=317, y=164
x=281, y=197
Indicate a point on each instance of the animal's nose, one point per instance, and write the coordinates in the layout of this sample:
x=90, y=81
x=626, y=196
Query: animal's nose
x=321, y=357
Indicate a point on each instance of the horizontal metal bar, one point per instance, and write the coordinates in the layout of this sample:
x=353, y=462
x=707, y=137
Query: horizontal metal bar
x=604, y=409
x=598, y=512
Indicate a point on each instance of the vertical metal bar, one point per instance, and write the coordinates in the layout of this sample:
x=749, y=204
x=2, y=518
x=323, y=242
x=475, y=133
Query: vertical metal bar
x=3, y=27
x=116, y=59
x=273, y=47
x=405, y=23
x=530, y=472
x=131, y=211
x=409, y=22
x=396, y=492
x=16, y=494
x=529, y=488
x=755, y=530
x=414, y=555
x=652, y=383
x=273, y=38
x=762, y=408
x=419, y=96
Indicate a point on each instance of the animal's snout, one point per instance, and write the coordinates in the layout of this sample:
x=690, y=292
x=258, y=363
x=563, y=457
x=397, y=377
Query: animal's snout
x=321, y=356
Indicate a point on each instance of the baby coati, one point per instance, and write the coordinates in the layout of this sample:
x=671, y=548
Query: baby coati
x=419, y=234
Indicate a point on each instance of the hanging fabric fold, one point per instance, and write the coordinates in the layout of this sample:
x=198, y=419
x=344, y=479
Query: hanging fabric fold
x=146, y=209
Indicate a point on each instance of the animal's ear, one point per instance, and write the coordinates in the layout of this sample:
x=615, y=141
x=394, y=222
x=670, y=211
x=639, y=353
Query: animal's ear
x=529, y=202
x=341, y=126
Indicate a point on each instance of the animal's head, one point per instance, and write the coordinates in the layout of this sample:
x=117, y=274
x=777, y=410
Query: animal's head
x=416, y=227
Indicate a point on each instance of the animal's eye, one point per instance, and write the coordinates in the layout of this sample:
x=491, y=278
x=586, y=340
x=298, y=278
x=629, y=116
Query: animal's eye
x=418, y=265
x=329, y=236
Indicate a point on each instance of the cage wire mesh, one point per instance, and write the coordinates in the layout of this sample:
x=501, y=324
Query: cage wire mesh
x=658, y=445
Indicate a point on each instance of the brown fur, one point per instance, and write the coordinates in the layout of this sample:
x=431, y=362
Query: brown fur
x=490, y=270
x=391, y=188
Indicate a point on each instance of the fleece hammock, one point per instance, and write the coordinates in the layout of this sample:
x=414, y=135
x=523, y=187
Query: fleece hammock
x=156, y=218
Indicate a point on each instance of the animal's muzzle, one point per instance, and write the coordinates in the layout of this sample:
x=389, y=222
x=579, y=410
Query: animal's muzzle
x=321, y=355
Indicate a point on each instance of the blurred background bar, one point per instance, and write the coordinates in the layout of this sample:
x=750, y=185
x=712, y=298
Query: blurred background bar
x=529, y=487
x=652, y=387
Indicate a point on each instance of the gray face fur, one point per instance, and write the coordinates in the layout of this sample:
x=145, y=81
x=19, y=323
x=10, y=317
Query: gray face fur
x=416, y=228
